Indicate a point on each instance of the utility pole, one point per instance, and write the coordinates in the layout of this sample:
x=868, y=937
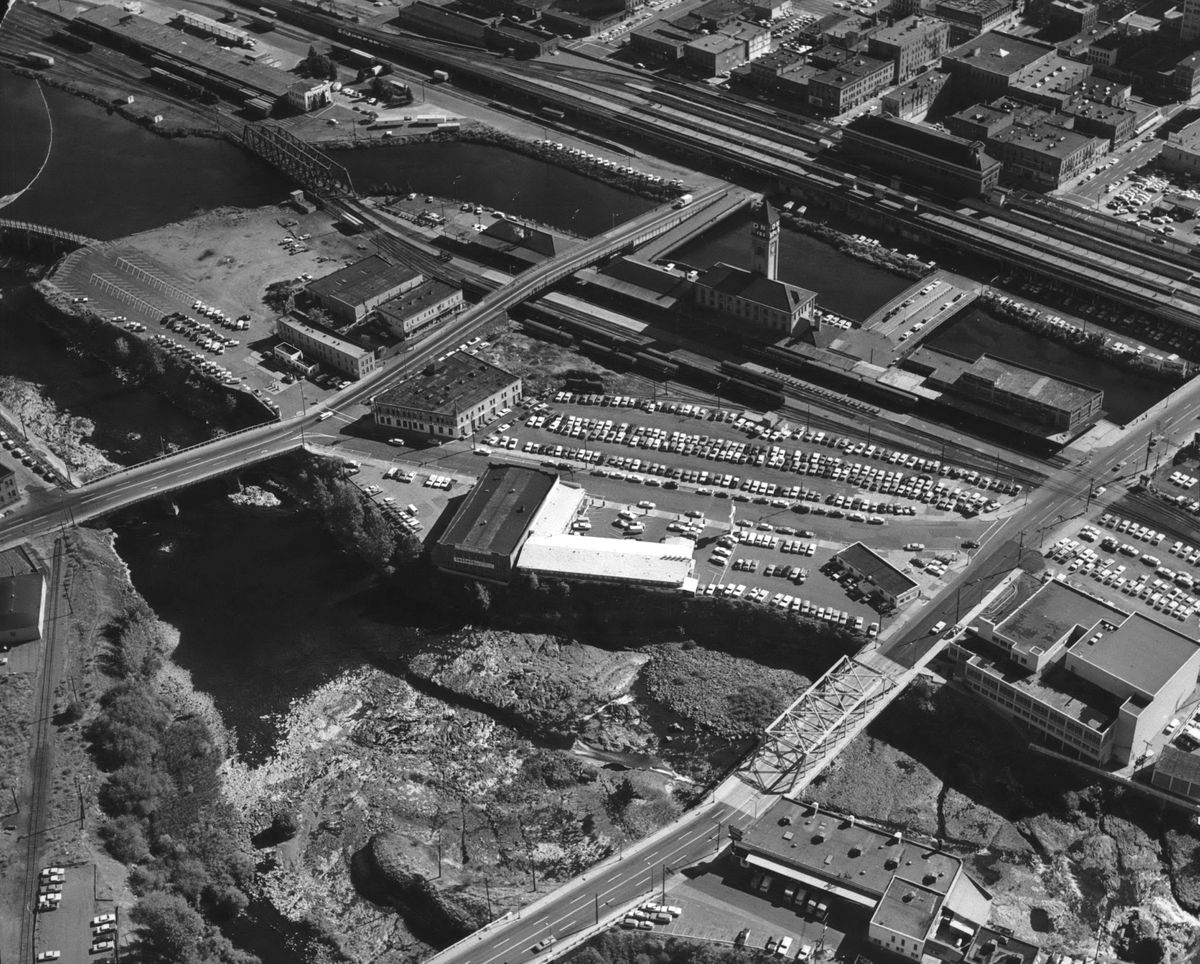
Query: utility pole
x=597, y=901
x=487, y=889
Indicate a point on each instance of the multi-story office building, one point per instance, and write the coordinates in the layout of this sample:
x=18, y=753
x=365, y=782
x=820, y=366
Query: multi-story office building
x=848, y=85
x=1088, y=678
x=910, y=44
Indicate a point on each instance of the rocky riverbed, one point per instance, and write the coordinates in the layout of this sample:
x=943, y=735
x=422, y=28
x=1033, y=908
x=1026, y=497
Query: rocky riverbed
x=66, y=436
x=439, y=788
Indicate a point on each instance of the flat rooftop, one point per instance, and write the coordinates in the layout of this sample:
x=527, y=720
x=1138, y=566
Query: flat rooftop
x=499, y=509
x=1045, y=139
x=367, y=278
x=1050, y=613
x=908, y=908
x=155, y=38
x=630, y=560
x=922, y=139
x=416, y=299
x=907, y=30
x=844, y=852
x=1142, y=653
x=324, y=337
x=1056, y=687
x=457, y=382
x=1057, y=75
x=997, y=52
x=875, y=568
x=1017, y=379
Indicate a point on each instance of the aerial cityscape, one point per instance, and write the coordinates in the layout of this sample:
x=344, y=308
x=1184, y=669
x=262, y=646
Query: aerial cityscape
x=600, y=481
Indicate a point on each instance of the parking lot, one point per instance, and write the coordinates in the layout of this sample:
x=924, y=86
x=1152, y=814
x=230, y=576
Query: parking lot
x=71, y=924
x=719, y=901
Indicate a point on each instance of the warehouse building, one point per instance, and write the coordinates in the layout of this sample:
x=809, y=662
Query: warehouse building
x=1043, y=157
x=953, y=165
x=910, y=44
x=970, y=18
x=420, y=308
x=326, y=348
x=986, y=66
x=1091, y=680
x=1054, y=404
x=350, y=294
x=433, y=21
x=625, y=562
x=9, y=490
x=912, y=101
x=879, y=577
x=22, y=608
x=490, y=527
x=923, y=904
x=449, y=399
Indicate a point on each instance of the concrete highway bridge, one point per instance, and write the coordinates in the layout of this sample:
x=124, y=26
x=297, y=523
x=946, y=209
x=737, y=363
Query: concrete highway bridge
x=235, y=451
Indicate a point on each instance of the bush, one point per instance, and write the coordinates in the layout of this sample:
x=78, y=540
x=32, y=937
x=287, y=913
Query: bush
x=124, y=839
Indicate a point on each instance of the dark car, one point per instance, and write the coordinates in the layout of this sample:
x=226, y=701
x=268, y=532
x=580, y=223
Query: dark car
x=742, y=937
x=970, y=544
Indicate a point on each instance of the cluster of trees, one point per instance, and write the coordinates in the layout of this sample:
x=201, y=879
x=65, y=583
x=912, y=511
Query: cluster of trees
x=164, y=813
x=356, y=523
x=319, y=65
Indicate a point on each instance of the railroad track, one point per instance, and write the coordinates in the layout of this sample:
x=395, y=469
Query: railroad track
x=42, y=755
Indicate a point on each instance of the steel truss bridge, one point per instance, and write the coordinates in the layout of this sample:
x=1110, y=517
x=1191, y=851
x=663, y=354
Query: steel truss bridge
x=809, y=732
x=306, y=164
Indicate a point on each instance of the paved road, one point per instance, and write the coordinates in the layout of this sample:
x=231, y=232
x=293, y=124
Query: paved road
x=232, y=452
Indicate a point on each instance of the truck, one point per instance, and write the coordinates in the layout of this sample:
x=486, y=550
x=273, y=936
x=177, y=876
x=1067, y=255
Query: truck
x=682, y=201
x=440, y=76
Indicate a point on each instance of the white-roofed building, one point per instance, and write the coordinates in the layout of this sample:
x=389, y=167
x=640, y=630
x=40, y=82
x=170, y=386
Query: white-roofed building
x=650, y=565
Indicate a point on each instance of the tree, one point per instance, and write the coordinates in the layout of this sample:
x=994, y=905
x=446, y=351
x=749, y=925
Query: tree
x=134, y=789
x=170, y=930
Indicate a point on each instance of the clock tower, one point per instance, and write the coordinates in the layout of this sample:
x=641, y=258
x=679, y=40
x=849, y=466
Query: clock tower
x=764, y=241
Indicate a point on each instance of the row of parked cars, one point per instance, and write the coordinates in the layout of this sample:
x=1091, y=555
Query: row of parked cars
x=27, y=457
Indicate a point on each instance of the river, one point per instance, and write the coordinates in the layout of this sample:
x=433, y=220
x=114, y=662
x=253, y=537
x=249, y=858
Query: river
x=843, y=284
x=978, y=332
x=107, y=177
x=498, y=178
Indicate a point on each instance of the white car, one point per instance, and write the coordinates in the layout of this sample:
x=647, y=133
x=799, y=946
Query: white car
x=937, y=627
x=49, y=955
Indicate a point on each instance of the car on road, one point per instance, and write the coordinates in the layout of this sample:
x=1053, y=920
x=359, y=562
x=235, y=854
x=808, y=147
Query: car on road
x=49, y=955
x=324, y=415
x=970, y=544
x=937, y=627
x=742, y=936
x=543, y=944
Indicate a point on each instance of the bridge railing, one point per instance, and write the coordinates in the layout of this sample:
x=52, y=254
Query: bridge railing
x=7, y=224
x=125, y=469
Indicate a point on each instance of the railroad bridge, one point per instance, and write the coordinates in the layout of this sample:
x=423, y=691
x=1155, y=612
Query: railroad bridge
x=24, y=238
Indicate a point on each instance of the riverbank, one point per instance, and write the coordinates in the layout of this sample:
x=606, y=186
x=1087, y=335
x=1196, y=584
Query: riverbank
x=1094, y=343
x=856, y=246
x=66, y=437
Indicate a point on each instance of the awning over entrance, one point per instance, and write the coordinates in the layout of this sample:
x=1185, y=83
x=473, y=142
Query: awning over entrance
x=810, y=881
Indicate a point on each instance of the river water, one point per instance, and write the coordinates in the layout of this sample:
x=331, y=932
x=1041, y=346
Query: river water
x=844, y=285
x=978, y=332
x=497, y=178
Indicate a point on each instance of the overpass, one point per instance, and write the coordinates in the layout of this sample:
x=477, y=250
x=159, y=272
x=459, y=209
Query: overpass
x=230, y=453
